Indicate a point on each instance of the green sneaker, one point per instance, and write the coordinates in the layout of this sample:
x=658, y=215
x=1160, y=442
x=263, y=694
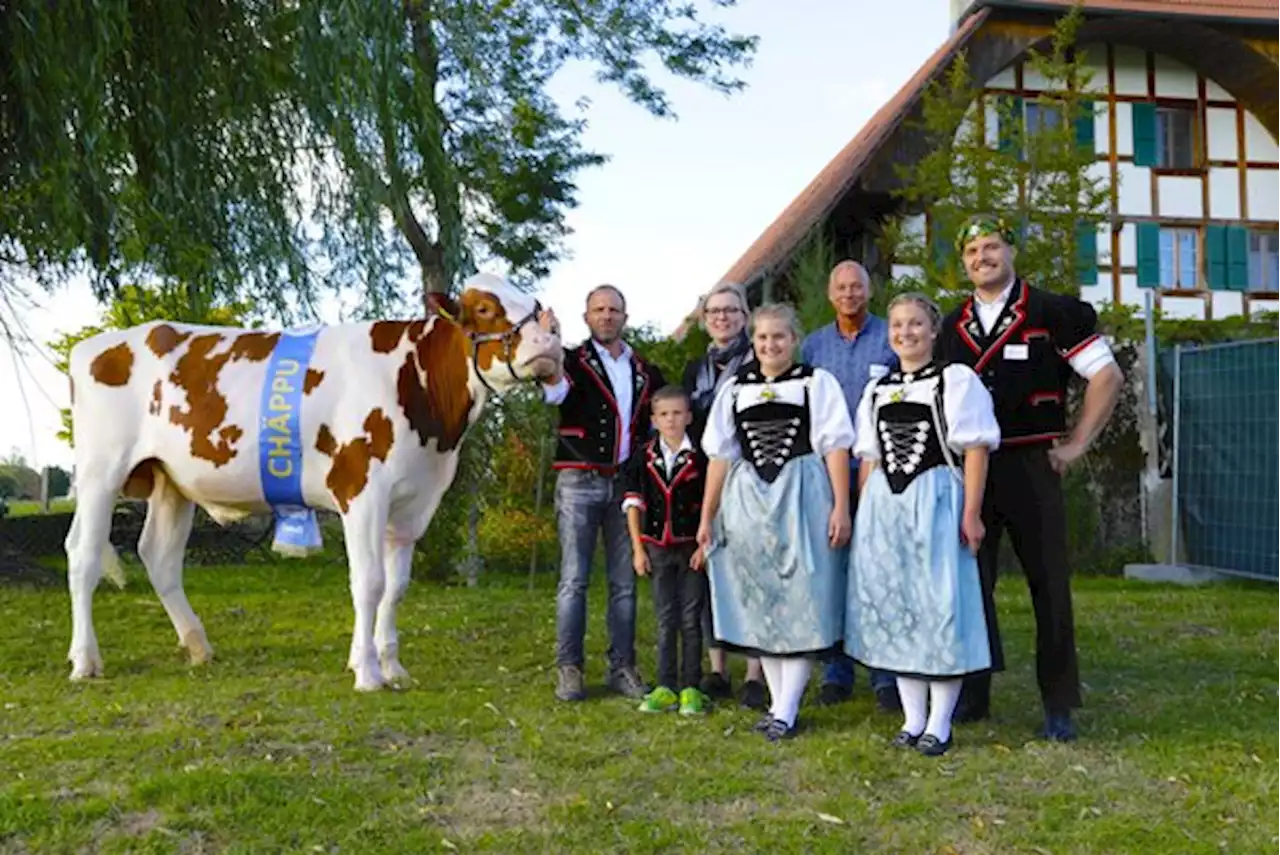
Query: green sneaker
x=692, y=702
x=660, y=699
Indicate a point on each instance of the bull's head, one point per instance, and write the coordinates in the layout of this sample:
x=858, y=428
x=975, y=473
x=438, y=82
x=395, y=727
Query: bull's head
x=507, y=345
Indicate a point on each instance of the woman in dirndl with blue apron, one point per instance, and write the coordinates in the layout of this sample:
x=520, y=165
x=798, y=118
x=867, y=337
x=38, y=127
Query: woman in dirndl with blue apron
x=914, y=595
x=775, y=515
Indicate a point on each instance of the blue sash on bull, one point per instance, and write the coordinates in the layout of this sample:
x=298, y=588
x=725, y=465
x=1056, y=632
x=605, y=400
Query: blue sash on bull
x=280, y=445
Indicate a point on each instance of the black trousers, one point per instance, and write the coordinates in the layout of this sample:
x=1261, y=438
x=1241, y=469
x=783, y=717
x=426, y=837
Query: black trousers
x=679, y=595
x=1024, y=497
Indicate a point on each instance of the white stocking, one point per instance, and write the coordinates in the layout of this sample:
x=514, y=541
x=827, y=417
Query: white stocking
x=795, y=677
x=915, y=704
x=772, y=667
x=943, y=695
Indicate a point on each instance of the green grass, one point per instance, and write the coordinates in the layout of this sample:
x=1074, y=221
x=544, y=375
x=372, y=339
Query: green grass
x=270, y=750
x=31, y=507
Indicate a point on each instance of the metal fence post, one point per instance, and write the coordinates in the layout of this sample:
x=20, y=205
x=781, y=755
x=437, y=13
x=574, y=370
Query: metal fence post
x=1177, y=425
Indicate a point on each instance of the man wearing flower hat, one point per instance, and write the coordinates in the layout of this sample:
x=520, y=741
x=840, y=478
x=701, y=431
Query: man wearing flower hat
x=1025, y=343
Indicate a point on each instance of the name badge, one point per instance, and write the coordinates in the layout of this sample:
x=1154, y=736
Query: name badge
x=877, y=370
x=1017, y=352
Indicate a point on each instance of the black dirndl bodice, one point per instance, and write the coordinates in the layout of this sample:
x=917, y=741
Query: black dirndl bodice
x=907, y=432
x=771, y=433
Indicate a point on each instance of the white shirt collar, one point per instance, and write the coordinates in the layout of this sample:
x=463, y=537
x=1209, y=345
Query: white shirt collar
x=999, y=300
x=605, y=354
x=667, y=453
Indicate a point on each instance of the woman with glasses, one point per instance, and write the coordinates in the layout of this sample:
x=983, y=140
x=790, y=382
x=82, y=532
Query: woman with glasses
x=723, y=315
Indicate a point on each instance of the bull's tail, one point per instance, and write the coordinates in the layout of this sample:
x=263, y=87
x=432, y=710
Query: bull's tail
x=111, y=567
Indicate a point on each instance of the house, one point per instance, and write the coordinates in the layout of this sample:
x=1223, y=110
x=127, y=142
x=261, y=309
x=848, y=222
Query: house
x=1185, y=126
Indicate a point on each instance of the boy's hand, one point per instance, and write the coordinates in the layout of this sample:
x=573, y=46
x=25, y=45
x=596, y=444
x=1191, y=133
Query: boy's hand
x=698, y=560
x=640, y=561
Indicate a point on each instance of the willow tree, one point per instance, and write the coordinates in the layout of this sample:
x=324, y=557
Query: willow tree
x=268, y=150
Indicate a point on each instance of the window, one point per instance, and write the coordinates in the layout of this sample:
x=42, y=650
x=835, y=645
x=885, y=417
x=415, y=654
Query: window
x=1175, y=138
x=1042, y=117
x=1178, y=262
x=1264, y=262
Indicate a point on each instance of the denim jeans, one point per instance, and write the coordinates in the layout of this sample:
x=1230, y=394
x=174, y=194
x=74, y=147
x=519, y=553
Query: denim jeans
x=678, y=597
x=587, y=503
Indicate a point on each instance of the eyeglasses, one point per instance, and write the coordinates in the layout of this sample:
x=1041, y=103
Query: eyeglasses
x=722, y=312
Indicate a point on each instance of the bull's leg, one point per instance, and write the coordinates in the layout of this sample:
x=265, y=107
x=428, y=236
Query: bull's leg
x=161, y=548
x=398, y=564
x=363, y=526
x=86, y=543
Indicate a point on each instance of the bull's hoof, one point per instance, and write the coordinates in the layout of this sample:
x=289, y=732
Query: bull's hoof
x=85, y=665
x=198, y=647
x=394, y=673
x=368, y=675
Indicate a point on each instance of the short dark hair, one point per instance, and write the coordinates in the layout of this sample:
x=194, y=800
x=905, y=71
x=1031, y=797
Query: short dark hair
x=670, y=392
x=607, y=287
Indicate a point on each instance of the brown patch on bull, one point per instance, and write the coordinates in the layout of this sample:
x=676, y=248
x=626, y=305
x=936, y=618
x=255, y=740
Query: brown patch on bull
x=378, y=428
x=386, y=335
x=440, y=406
x=230, y=434
x=312, y=380
x=254, y=346
x=350, y=470
x=163, y=339
x=484, y=313
x=196, y=372
x=142, y=480
x=155, y=405
x=416, y=328
x=113, y=366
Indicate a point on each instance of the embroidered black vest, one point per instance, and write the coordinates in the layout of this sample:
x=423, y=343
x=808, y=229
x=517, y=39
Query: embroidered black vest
x=907, y=431
x=590, y=427
x=672, y=501
x=771, y=433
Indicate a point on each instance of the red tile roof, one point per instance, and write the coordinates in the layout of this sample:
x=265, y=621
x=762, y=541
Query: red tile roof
x=817, y=200
x=1236, y=10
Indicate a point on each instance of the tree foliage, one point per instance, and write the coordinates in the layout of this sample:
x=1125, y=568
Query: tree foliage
x=1038, y=177
x=264, y=151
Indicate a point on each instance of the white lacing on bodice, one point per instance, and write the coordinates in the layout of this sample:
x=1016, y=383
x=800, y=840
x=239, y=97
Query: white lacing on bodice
x=904, y=444
x=771, y=439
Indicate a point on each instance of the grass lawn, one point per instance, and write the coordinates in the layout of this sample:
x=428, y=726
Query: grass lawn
x=31, y=507
x=270, y=750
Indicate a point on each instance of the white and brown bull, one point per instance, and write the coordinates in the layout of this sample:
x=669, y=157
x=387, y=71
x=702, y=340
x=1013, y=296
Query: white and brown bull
x=175, y=413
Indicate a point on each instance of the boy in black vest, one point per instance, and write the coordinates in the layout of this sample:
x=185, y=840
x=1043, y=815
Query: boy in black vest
x=1025, y=344
x=663, y=486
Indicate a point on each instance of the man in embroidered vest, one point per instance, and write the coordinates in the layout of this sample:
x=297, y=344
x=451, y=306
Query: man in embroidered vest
x=1025, y=343
x=603, y=397
x=854, y=348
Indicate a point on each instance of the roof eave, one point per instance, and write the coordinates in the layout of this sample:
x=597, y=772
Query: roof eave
x=1261, y=19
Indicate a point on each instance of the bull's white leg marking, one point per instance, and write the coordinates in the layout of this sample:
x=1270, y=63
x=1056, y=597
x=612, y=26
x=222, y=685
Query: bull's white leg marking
x=363, y=526
x=398, y=562
x=86, y=543
x=161, y=548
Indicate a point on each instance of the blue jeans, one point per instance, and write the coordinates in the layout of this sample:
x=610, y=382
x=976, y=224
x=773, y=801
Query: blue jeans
x=587, y=503
x=839, y=671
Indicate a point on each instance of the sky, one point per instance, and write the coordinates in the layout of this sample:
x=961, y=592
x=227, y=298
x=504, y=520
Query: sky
x=678, y=201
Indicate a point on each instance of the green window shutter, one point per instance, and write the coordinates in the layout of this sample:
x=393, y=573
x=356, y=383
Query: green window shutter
x=1215, y=256
x=1086, y=254
x=1148, y=255
x=940, y=246
x=1144, y=134
x=1009, y=122
x=1237, y=258
x=1084, y=127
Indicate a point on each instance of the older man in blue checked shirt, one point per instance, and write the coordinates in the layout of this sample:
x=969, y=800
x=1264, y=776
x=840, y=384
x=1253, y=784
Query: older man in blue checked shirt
x=855, y=348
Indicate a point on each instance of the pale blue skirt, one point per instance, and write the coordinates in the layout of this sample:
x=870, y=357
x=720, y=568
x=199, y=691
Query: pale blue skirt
x=914, y=595
x=777, y=587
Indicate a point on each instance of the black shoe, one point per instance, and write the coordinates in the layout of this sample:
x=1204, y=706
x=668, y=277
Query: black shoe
x=887, y=699
x=1058, y=727
x=778, y=731
x=753, y=695
x=830, y=694
x=930, y=746
x=905, y=740
x=716, y=685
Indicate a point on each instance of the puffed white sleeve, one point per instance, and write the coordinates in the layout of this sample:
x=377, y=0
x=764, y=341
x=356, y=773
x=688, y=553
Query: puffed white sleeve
x=968, y=409
x=830, y=425
x=720, y=438
x=866, y=448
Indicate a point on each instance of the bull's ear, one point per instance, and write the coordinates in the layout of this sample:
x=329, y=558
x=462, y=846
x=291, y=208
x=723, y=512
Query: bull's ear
x=442, y=304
